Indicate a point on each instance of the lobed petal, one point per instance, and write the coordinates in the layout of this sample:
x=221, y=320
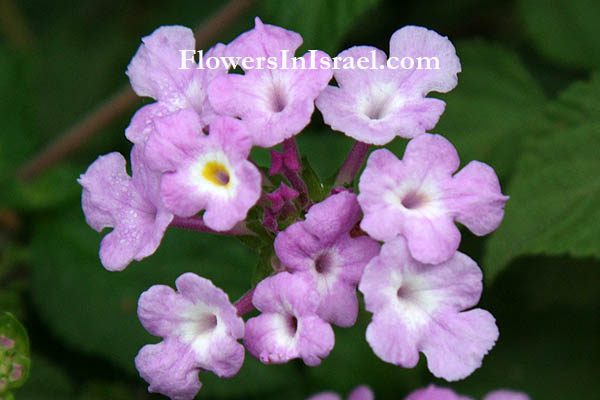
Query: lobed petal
x=362, y=392
x=273, y=103
x=111, y=199
x=456, y=343
x=170, y=369
x=415, y=41
x=506, y=395
x=433, y=392
x=288, y=326
x=419, y=307
x=477, y=199
x=155, y=69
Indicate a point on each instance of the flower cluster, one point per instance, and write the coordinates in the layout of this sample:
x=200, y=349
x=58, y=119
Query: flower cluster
x=395, y=240
x=431, y=392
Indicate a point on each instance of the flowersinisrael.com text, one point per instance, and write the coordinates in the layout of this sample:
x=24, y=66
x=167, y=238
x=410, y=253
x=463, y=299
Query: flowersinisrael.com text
x=285, y=61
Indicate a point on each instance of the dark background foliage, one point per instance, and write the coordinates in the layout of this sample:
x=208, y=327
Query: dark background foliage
x=528, y=103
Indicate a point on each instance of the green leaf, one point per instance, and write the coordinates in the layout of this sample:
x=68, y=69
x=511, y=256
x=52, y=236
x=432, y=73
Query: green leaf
x=577, y=104
x=564, y=31
x=89, y=307
x=254, y=380
x=491, y=110
x=555, y=194
x=264, y=266
x=352, y=362
x=548, y=345
x=16, y=140
x=322, y=23
x=48, y=381
x=325, y=150
x=316, y=189
x=50, y=189
x=14, y=353
x=553, y=190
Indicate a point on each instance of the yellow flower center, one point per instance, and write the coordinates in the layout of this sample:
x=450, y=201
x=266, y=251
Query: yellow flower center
x=216, y=173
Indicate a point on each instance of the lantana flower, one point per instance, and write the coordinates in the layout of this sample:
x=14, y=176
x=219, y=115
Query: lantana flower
x=288, y=326
x=322, y=251
x=200, y=328
x=130, y=205
x=376, y=105
x=419, y=198
x=421, y=308
x=361, y=392
x=156, y=71
x=274, y=103
x=204, y=172
x=433, y=392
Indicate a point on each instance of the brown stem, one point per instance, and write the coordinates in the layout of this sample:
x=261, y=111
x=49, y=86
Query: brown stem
x=14, y=25
x=79, y=134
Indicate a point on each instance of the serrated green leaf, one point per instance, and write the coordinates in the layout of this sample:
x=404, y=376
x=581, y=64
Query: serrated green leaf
x=577, y=104
x=555, y=194
x=490, y=111
x=322, y=23
x=564, y=31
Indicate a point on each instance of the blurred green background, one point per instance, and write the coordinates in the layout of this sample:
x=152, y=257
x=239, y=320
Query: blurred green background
x=527, y=102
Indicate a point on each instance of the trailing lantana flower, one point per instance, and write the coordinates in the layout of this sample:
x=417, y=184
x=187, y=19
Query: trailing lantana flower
x=420, y=307
x=191, y=156
x=376, y=105
x=433, y=392
x=200, y=328
x=359, y=393
x=322, y=251
x=274, y=104
x=417, y=197
x=204, y=172
x=130, y=205
x=155, y=71
x=288, y=326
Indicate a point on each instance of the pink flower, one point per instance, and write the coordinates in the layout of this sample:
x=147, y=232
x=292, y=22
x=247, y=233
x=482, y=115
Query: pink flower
x=200, y=328
x=420, y=308
x=274, y=103
x=321, y=250
x=204, y=172
x=359, y=393
x=417, y=197
x=376, y=105
x=288, y=326
x=156, y=71
x=433, y=392
x=129, y=205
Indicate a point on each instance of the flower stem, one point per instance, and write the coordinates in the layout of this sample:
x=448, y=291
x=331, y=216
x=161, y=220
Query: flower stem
x=244, y=304
x=352, y=164
x=198, y=224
